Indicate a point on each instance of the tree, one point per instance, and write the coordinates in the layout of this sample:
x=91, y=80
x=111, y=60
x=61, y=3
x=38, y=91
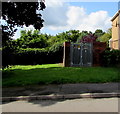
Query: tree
x=31, y=39
x=71, y=35
x=17, y=14
x=82, y=35
x=99, y=33
x=89, y=38
x=106, y=37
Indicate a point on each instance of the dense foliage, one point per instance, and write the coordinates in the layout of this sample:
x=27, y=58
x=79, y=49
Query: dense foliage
x=35, y=48
x=17, y=14
x=33, y=56
x=111, y=58
x=24, y=14
x=106, y=36
x=89, y=38
x=31, y=40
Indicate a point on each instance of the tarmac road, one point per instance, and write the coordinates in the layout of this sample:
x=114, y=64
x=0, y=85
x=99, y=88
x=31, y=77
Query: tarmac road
x=60, y=89
x=75, y=105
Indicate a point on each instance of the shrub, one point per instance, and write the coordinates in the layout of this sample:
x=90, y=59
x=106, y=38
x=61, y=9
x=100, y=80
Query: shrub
x=32, y=56
x=110, y=58
x=8, y=53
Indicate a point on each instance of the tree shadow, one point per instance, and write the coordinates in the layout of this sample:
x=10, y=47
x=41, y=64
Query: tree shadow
x=44, y=103
x=54, y=87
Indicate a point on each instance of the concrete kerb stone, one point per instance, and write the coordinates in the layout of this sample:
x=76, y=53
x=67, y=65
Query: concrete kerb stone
x=60, y=97
x=105, y=95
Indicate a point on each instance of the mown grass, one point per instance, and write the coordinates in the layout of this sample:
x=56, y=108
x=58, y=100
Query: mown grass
x=56, y=74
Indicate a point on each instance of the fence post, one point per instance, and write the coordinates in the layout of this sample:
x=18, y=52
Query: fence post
x=66, y=56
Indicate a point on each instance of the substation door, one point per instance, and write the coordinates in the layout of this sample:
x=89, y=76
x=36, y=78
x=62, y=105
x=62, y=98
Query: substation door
x=81, y=54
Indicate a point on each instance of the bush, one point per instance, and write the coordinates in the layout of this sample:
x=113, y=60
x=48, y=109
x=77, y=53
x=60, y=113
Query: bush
x=8, y=55
x=32, y=56
x=111, y=58
x=13, y=55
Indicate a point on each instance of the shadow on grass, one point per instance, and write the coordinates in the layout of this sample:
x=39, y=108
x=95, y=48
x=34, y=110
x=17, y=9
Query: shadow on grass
x=36, y=76
x=59, y=75
x=46, y=81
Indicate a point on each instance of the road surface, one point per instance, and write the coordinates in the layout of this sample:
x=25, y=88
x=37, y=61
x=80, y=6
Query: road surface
x=75, y=105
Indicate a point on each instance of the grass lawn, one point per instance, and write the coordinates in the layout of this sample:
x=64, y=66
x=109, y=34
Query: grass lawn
x=56, y=74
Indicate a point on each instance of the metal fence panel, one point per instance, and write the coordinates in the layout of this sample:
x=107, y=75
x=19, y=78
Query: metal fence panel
x=81, y=54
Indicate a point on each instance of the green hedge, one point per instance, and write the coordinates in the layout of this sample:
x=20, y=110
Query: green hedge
x=110, y=58
x=31, y=56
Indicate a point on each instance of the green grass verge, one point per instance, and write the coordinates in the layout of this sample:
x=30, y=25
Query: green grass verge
x=56, y=74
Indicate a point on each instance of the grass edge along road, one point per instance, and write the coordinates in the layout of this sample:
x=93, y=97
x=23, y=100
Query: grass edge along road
x=20, y=75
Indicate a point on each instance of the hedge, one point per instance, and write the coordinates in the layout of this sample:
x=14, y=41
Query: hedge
x=32, y=56
x=110, y=58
